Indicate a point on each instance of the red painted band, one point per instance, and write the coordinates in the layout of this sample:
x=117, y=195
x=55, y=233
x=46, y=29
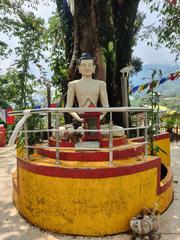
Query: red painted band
x=165, y=186
x=93, y=156
x=52, y=143
x=138, y=139
x=160, y=136
x=103, y=142
x=59, y=171
x=96, y=173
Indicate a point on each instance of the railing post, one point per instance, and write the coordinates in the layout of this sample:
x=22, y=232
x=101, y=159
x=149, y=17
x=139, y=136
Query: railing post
x=137, y=133
x=57, y=140
x=26, y=140
x=146, y=134
x=110, y=140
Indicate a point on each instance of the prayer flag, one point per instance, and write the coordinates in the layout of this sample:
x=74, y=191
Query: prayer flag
x=141, y=88
x=172, y=2
x=146, y=85
x=134, y=89
x=172, y=76
x=162, y=80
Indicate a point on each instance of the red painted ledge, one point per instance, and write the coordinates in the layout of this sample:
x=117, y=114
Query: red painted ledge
x=57, y=171
x=104, y=142
x=161, y=136
x=93, y=156
x=168, y=182
x=155, y=138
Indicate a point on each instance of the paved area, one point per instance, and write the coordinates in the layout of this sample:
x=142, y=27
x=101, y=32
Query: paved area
x=14, y=227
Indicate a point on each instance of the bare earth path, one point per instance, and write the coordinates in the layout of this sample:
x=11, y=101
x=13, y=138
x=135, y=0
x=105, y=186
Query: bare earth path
x=14, y=227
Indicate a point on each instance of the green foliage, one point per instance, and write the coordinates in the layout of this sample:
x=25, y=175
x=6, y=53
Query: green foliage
x=2, y=122
x=137, y=64
x=170, y=120
x=29, y=32
x=54, y=36
x=154, y=149
x=13, y=91
x=172, y=102
x=10, y=85
x=170, y=123
x=137, y=26
x=20, y=142
x=167, y=30
x=30, y=51
x=153, y=113
x=4, y=51
x=11, y=15
x=34, y=122
x=3, y=103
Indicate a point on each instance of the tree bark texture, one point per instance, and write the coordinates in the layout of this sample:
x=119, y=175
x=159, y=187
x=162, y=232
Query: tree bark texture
x=103, y=28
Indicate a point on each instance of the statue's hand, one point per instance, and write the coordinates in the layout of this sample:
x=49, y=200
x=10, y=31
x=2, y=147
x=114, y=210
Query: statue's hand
x=77, y=117
x=81, y=120
x=102, y=116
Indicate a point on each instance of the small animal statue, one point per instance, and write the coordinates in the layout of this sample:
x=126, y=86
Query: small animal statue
x=146, y=226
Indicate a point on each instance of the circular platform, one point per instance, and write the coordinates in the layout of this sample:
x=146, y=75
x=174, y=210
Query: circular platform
x=89, y=198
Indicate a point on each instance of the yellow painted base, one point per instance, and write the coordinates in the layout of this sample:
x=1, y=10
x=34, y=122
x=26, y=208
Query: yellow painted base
x=164, y=144
x=90, y=207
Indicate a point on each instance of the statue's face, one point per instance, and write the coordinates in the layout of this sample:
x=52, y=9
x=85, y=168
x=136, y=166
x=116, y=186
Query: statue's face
x=86, y=67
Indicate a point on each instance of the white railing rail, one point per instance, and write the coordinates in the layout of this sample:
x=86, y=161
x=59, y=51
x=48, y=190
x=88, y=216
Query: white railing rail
x=60, y=111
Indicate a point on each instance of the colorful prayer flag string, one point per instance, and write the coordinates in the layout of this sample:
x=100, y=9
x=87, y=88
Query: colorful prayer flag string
x=172, y=77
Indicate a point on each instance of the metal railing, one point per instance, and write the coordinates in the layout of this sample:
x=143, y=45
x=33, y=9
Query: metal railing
x=57, y=112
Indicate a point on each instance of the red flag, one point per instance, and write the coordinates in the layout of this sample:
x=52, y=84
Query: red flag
x=9, y=119
x=172, y=76
x=53, y=105
x=172, y=2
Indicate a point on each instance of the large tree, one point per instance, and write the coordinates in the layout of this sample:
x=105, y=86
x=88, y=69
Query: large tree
x=105, y=29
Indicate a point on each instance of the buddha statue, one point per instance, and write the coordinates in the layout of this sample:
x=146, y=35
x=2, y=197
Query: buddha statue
x=87, y=90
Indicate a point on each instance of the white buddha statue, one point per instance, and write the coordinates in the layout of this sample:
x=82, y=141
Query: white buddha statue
x=87, y=90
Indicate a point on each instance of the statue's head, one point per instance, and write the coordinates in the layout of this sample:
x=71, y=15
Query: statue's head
x=86, y=65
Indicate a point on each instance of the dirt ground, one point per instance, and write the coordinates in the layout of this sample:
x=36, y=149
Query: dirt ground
x=14, y=227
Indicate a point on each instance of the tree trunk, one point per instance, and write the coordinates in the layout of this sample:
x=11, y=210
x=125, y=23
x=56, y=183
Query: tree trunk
x=103, y=28
x=124, y=13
